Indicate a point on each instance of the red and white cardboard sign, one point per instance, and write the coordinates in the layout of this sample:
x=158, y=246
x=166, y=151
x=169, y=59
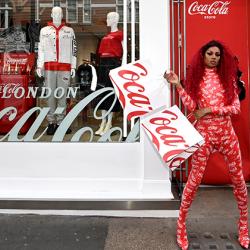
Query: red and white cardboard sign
x=172, y=134
x=138, y=88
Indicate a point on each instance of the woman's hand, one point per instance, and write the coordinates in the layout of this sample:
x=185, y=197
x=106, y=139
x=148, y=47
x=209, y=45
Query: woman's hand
x=172, y=78
x=199, y=113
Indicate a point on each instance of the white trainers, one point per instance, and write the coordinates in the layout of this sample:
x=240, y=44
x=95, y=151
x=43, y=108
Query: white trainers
x=107, y=128
x=100, y=130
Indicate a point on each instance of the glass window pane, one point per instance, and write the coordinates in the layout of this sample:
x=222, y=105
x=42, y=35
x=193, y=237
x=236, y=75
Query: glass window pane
x=119, y=9
x=56, y=3
x=72, y=11
x=86, y=11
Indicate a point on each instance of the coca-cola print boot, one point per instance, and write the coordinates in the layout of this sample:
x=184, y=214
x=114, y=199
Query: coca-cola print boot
x=243, y=232
x=181, y=234
x=241, y=195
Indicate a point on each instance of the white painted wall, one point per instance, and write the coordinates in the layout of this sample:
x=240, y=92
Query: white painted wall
x=155, y=43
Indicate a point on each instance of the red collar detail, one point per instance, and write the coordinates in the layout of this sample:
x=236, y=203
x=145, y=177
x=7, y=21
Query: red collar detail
x=214, y=69
x=57, y=28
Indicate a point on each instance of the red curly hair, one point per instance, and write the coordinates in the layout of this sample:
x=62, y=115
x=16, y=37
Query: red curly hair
x=227, y=71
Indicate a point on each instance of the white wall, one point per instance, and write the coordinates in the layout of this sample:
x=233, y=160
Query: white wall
x=155, y=41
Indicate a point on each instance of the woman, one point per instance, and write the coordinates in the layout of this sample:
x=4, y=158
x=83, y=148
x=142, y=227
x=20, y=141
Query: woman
x=211, y=94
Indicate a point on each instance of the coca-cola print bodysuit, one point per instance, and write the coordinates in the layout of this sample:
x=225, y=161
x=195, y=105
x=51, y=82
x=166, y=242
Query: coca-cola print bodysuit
x=218, y=132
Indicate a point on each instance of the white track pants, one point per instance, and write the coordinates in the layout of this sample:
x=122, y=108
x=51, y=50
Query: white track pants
x=59, y=80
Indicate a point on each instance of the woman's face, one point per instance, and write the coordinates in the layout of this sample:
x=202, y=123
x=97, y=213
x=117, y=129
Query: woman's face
x=212, y=57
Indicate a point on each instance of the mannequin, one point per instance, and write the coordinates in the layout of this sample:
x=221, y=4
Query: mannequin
x=57, y=62
x=111, y=54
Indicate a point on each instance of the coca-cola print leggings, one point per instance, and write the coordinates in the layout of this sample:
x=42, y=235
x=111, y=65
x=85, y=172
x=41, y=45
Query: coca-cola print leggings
x=219, y=135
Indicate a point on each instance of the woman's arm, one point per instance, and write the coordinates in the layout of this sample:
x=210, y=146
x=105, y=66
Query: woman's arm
x=186, y=99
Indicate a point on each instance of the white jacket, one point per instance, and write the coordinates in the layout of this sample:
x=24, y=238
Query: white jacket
x=50, y=51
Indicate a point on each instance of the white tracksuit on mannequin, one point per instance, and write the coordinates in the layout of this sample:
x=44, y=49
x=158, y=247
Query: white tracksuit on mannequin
x=57, y=57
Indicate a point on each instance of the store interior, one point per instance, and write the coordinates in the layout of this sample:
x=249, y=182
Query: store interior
x=20, y=25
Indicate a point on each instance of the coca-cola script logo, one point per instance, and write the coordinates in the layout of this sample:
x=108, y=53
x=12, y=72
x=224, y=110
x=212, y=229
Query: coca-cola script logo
x=165, y=136
x=16, y=60
x=132, y=90
x=209, y=11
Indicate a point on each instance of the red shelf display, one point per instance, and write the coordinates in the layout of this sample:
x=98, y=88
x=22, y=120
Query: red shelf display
x=15, y=78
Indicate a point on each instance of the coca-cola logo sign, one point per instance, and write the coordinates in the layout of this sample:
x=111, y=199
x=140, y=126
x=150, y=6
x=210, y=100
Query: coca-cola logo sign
x=209, y=10
x=132, y=88
x=172, y=134
x=16, y=60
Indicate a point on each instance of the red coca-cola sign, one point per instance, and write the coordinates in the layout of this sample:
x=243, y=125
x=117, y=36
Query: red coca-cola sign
x=132, y=88
x=209, y=9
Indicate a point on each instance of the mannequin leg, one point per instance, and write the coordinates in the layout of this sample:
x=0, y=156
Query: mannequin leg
x=109, y=123
x=103, y=123
x=231, y=151
x=51, y=82
x=199, y=162
x=63, y=80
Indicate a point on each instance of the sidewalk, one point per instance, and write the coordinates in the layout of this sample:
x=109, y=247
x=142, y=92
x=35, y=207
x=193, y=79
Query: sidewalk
x=211, y=225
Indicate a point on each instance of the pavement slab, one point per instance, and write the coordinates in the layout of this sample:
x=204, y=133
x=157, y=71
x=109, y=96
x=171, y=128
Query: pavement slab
x=34, y=232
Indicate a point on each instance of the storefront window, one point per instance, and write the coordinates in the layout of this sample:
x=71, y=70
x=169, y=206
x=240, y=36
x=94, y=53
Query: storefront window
x=30, y=53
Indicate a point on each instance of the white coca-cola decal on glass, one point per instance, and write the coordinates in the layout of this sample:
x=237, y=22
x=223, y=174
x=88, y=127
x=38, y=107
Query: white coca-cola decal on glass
x=16, y=60
x=211, y=9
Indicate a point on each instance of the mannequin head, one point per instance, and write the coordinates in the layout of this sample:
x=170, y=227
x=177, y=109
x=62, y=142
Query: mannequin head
x=57, y=15
x=112, y=19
